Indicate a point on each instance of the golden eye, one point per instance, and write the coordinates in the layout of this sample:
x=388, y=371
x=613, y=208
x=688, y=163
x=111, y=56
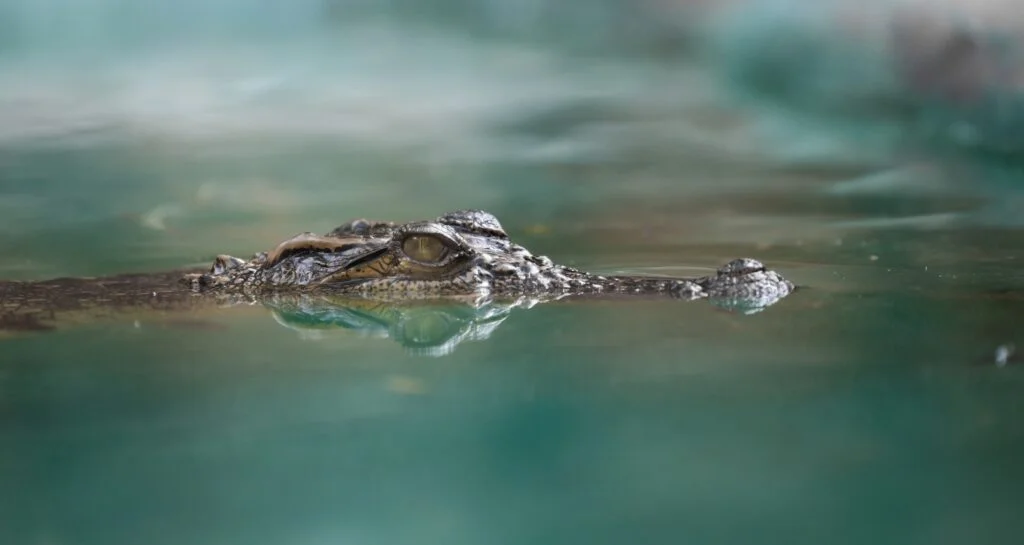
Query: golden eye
x=424, y=249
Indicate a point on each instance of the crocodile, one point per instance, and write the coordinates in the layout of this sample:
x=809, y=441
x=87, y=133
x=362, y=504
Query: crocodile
x=463, y=256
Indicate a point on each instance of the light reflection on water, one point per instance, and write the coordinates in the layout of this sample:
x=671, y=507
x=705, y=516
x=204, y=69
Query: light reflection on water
x=863, y=408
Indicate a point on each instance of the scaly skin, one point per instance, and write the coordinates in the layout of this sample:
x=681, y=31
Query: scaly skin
x=463, y=257
x=465, y=252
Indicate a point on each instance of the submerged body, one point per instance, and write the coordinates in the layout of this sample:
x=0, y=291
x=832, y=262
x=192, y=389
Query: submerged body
x=463, y=256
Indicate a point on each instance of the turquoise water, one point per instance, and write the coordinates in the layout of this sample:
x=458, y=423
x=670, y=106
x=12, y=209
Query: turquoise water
x=868, y=407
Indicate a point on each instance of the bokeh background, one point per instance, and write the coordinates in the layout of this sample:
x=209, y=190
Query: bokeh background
x=175, y=130
x=871, y=150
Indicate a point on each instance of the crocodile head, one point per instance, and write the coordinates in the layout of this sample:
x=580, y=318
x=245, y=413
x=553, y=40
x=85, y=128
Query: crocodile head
x=466, y=252
x=462, y=253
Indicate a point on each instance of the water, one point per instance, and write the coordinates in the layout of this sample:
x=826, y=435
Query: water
x=866, y=408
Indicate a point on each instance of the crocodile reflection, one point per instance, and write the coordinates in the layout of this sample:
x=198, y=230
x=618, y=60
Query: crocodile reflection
x=425, y=328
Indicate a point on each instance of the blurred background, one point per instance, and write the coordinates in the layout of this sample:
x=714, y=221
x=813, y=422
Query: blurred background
x=870, y=150
x=176, y=130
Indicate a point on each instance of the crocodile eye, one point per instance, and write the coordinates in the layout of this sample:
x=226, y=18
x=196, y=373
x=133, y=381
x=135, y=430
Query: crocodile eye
x=425, y=249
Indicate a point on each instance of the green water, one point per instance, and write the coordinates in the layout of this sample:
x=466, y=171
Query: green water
x=865, y=408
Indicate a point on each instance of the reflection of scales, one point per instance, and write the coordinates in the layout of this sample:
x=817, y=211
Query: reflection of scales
x=428, y=328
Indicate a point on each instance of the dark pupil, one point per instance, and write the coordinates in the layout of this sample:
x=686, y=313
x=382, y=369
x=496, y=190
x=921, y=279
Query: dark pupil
x=422, y=248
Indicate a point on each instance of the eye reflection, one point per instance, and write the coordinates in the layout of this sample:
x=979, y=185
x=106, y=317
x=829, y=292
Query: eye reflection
x=427, y=328
x=425, y=249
